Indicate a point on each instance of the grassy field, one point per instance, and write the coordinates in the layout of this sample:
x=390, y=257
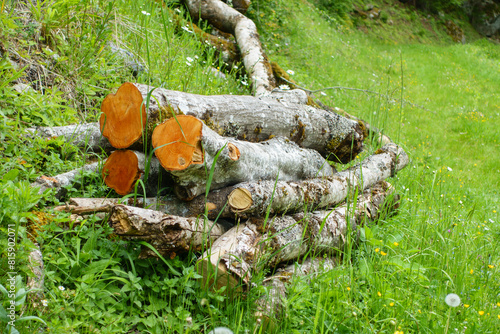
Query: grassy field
x=438, y=99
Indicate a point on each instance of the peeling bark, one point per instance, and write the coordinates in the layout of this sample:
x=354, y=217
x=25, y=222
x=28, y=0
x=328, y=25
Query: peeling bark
x=58, y=182
x=188, y=149
x=229, y=20
x=168, y=234
x=259, y=244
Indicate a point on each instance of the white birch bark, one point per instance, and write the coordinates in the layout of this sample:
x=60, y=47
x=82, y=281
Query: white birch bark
x=229, y=20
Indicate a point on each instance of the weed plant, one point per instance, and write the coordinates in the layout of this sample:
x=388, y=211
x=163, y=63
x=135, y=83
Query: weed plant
x=438, y=100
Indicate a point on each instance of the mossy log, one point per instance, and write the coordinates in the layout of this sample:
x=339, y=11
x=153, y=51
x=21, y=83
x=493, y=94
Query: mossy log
x=258, y=244
x=168, y=234
x=285, y=114
x=124, y=168
x=60, y=181
x=188, y=149
x=229, y=20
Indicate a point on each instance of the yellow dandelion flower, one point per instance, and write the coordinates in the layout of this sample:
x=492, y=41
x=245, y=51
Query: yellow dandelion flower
x=471, y=271
x=481, y=312
x=379, y=294
x=499, y=316
x=491, y=266
x=466, y=305
x=419, y=311
x=383, y=253
x=498, y=304
x=377, y=250
x=348, y=289
x=396, y=244
x=391, y=304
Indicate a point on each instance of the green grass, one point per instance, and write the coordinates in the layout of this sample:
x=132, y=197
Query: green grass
x=444, y=239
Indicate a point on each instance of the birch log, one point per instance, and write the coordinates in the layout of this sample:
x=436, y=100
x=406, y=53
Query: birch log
x=86, y=135
x=188, y=149
x=257, y=244
x=244, y=117
x=166, y=233
x=124, y=168
x=270, y=305
x=229, y=20
x=58, y=182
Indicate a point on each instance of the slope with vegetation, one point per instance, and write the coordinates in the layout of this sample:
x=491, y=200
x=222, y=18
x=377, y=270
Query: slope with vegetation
x=436, y=97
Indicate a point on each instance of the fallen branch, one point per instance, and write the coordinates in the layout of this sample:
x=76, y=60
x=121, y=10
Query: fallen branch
x=188, y=149
x=58, y=182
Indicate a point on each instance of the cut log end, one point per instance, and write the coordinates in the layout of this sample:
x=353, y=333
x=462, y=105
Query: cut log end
x=240, y=199
x=121, y=171
x=216, y=276
x=234, y=152
x=177, y=142
x=123, y=117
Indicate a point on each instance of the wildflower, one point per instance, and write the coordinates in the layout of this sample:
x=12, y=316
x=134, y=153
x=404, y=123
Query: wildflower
x=379, y=294
x=323, y=93
x=187, y=29
x=396, y=244
x=449, y=168
x=452, y=300
x=471, y=271
x=499, y=316
x=383, y=253
x=491, y=266
x=189, y=59
x=481, y=312
x=62, y=288
x=290, y=72
x=498, y=304
x=391, y=304
x=244, y=83
x=348, y=289
x=45, y=302
x=377, y=250
x=188, y=63
x=284, y=87
x=466, y=305
x=145, y=13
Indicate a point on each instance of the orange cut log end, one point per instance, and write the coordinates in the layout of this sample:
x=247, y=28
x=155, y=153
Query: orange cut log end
x=120, y=171
x=123, y=116
x=177, y=142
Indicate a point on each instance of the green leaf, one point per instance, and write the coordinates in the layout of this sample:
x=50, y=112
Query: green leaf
x=31, y=317
x=10, y=175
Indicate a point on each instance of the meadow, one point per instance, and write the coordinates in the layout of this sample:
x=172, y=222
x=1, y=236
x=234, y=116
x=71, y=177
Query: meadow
x=439, y=99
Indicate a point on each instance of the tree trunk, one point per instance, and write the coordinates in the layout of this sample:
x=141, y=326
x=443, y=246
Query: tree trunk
x=244, y=117
x=259, y=244
x=124, y=168
x=167, y=234
x=188, y=149
x=59, y=181
x=229, y=20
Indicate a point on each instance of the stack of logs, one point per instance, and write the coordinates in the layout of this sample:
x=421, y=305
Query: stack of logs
x=254, y=189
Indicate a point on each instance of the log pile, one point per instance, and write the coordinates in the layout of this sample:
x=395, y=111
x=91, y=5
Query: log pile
x=254, y=183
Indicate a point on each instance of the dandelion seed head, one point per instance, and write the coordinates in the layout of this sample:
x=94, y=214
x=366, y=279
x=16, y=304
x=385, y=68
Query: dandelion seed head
x=452, y=300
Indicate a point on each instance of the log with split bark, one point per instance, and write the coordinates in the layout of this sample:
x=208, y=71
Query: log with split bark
x=193, y=154
x=259, y=244
x=131, y=114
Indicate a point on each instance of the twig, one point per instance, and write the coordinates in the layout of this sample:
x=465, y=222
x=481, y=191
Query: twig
x=358, y=90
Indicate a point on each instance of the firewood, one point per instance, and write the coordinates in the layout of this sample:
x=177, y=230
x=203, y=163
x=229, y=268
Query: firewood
x=187, y=148
x=258, y=244
x=168, y=234
x=58, y=182
x=123, y=168
x=244, y=117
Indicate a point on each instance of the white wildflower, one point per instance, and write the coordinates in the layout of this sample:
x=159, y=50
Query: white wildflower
x=189, y=59
x=323, y=93
x=244, y=83
x=189, y=31
x=284, y=87
x=62, y=288
x=452, y=300
x=145, y=13
x=290, y=72
x=45, y=302
x=188, y=63
x=449, y=168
